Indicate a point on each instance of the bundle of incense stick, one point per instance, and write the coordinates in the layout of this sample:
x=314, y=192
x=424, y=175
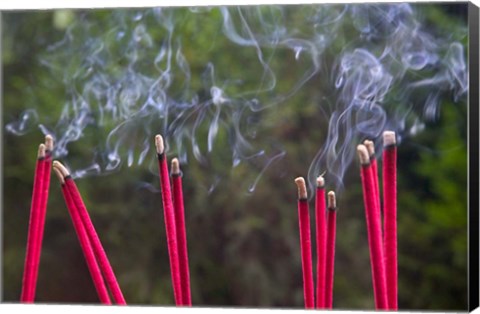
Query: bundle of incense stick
x=95, y=256
x=325, y=226
x=174, y=217
x=383, y=250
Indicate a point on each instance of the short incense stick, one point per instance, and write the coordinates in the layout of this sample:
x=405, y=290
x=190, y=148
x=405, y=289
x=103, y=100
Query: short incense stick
x=321, y=240
x=305, y=243
x=330, y=250
x=169, y=217
x=92, y=235
x=42, y=212
x=27, y=282
x=373, y=230
x=390, y=216
x=83, y=238
x=177, y=191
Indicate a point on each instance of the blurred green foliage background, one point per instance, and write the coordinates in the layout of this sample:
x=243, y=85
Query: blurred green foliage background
x=243, y=247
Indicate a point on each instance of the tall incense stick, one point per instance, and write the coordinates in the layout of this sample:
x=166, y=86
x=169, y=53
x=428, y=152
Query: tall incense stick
x=305, y=243
x=169, y=217
x=27, y=282
x=373, y=230
x=42, y=212
x=390, y=216
x=321, y=232
x=330, y=250
x=177, y=191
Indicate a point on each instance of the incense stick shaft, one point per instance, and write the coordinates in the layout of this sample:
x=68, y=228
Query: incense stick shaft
x=169, y=218
x=86, y=246
x=306, y=253
x=321, y=232
x=390, y=224
x=95, y=242
x=374, y=238
x=30, y=255
x=330, y=256
x=179, y=208
x=47, y=167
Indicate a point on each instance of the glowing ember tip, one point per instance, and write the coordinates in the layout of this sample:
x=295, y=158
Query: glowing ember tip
x=332, y=202
x=159, y=144
x=41, y=151
x=175, y=166
x=63, y=170
x=49, y=142
x=389, y=138
x=59, y=175
x=363, y=154
x=320, y=182
x=370, y=147
x=302, y=188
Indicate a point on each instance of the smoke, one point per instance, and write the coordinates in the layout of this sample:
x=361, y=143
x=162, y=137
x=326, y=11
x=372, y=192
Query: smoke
x=129, y=74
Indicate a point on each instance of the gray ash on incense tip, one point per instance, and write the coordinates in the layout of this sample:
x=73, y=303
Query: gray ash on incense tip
x=320, y=182
x=331, y=201
x=175, y=169
x=389, y=139
x=159, y=144
x=41, y=151
x=302, y=188
x=363, y=156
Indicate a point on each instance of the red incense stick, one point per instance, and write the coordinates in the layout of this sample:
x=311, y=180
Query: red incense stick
x=370, y=145
x=178, y=205
x=169, y=217
x=95, y=242
x=390, y=216
x=321, y=232
x=330, y=250
x=42, y=210
x=305, y=243
x=83, y=239
x=27, y=281
x=373, y=230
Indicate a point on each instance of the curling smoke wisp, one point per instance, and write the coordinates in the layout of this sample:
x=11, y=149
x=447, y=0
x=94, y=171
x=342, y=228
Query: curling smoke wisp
x=141, y=72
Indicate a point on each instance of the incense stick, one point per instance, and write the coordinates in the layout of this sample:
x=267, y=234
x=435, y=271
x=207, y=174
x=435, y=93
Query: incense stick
x=373, y=230
x=97, y=246
x=27, y=281
x=42, y=212
x=370, y=145
x=169, y=217
x=305, y=243
x=321, y=240
x=390, y=216
x=330, y=249
x=177, y=191
x=82, y=236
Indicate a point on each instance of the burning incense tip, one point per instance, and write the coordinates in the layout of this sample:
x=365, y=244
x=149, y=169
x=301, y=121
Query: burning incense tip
x=363, y=154
x=41, y=151
x=59, y=175
x=302, y=188
x=49, y=142
x=332, y=202
x=175, y=166
x=370, y=147
x=159, y=144
x=389, y=138
x=64, y=171
x=320, y=182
